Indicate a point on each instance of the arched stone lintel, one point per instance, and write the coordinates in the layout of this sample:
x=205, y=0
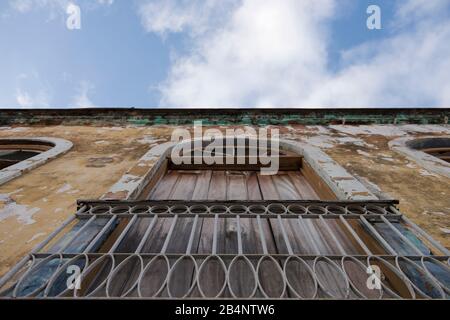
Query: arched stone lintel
x=342, y=183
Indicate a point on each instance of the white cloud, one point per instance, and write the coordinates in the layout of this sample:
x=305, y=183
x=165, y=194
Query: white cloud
x=163, y=16
x=23, y=99
x=21, y=5
x=31, y=92
x=81, y=99
x=24, y=6
x=26, y=100
x=107, y=2
x=275, y=53
x=265, y=52
x=409, y=11
x=408, y=69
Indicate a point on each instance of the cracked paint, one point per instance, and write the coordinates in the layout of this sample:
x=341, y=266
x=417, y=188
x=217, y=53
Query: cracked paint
x=23, y=213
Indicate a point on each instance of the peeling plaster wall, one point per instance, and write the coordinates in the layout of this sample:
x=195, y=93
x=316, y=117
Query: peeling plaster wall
x=102, y=155
x=423, y=159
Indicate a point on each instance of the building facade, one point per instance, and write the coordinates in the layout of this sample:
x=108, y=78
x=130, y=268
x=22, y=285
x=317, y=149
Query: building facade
x=358, y=208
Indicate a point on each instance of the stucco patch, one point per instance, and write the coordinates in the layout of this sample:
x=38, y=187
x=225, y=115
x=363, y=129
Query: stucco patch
x=23, y=213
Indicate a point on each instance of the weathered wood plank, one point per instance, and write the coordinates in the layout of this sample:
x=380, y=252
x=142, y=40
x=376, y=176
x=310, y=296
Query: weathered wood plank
x=164, y=187
x=319, y=186
x=345, y=239
x=252, y=240
x=269, y=192
x=285, y=187
x=236, y=186
x=134, y=236
x=318, y=237
x=202, y=186
x=288, y=191
x=185, y=185
x=267, y=187
x=253, y=190
x=304, y=189
x=218, y=186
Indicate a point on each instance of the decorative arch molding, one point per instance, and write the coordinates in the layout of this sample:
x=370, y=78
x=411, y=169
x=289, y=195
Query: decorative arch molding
x=410, y=147
x=343, y=184
x=55, y=148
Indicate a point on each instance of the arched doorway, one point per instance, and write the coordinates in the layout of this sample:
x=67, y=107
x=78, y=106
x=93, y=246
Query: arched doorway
x=217, y=184
x=238, y=180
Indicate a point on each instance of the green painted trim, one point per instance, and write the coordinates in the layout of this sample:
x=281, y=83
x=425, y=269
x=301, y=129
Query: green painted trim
x=260, y=117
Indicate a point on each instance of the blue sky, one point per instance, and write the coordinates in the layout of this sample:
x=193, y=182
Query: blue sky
x=227, y=53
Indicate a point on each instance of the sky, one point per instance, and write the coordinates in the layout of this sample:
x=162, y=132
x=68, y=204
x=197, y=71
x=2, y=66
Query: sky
x=224, y=53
